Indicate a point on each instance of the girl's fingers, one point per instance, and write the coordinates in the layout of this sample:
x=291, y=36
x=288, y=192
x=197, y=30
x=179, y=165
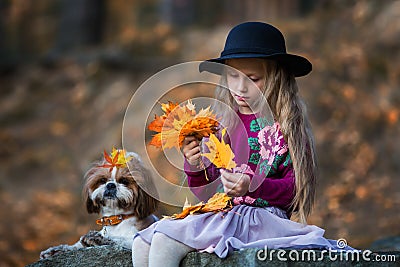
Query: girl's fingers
x=235, y=184
x=232, y=177
x=230, y=187
x=193, y=144
x=189, y=146
x=193, y=154
x=228, y=176
x=227, y=183
x=188, y=143
x=189, y=152
x=193, y=159
x=189, y=139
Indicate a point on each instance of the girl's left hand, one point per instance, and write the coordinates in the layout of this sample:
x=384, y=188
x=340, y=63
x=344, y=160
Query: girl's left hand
x=235, y=184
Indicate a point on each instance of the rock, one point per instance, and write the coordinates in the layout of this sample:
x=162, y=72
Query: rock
x=386, y=244
x=91, y=256
x=118, y=256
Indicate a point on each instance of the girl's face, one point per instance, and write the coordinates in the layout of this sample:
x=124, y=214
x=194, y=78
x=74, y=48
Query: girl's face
x=245, y=89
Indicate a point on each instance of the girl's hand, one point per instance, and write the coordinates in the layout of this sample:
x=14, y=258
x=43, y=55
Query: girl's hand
x=235, y=184
x=191, y=150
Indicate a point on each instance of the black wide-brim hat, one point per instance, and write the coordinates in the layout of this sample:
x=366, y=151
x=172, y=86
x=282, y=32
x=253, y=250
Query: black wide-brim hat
x=258, y=40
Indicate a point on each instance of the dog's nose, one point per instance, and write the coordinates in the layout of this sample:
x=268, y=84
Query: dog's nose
x=111, y=186
x=111, y=190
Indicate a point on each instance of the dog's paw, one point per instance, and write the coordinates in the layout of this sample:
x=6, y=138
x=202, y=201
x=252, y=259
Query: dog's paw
x=52, y=251
x=95, y=238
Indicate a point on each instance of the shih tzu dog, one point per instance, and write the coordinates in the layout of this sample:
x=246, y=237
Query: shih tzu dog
x=115, y=189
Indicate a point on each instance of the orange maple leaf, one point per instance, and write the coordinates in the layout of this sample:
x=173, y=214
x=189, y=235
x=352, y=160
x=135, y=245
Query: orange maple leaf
x=221, y=154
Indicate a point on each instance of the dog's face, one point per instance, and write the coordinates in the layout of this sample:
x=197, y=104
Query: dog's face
x=117, y=190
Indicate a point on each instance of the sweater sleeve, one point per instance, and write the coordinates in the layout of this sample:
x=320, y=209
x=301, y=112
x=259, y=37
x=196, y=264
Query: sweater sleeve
x=278, y=189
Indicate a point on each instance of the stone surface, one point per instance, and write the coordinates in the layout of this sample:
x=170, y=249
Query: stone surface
x=89, y=257
x=117, y=256
x=386, y=244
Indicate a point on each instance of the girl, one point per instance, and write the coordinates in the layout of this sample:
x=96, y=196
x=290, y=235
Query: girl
x=280, y=183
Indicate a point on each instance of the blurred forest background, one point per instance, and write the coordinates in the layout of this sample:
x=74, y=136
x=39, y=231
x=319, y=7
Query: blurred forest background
x=69, y=67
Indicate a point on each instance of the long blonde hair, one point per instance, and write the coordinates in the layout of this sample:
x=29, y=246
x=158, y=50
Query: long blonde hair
x=282, y=95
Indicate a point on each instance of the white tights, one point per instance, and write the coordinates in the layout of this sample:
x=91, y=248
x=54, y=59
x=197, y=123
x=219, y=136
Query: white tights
x=164, y=251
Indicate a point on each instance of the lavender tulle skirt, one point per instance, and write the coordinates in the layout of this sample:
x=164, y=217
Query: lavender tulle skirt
x=241, y=227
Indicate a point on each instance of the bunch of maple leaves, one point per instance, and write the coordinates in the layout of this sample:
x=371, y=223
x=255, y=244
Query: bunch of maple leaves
x=177, y=122
x=218, y=202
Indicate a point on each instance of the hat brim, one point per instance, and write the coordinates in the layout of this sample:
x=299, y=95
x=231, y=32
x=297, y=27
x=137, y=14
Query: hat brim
x=297, y=65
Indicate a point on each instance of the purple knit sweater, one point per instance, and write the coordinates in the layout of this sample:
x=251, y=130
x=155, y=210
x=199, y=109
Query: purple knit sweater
x=273, y=179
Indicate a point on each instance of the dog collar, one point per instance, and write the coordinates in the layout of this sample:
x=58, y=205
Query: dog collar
x=113, y=220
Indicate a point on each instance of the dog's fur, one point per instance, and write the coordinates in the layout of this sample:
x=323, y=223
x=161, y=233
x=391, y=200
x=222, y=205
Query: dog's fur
x=115, y=192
